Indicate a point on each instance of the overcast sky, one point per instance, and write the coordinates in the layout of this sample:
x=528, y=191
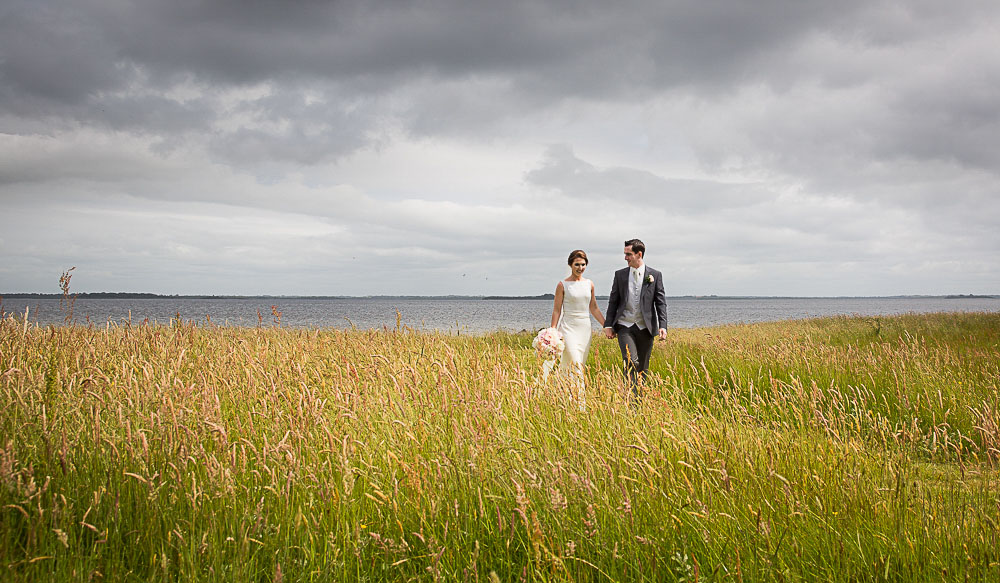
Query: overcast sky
x=773, y=147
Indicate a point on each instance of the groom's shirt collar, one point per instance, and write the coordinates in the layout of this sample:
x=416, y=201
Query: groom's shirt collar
x=641, y=270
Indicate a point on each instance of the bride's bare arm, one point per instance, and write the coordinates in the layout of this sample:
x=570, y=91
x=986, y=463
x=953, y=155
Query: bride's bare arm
x=557, y=305
x=593, y=306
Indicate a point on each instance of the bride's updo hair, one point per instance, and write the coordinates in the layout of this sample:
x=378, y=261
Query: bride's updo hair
x=578, y=254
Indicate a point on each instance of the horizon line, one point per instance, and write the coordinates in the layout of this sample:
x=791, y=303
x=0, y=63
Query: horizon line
x=150, y=295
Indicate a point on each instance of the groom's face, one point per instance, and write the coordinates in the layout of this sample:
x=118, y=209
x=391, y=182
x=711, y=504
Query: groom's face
x=633, y=259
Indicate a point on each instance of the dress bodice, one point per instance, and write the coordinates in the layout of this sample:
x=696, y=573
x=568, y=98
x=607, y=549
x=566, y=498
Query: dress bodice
x=576, y=299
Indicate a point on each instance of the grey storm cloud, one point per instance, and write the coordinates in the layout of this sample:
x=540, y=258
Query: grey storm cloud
x=114, y=63
x=69, y=53
x=563, y=171
x=432, y=136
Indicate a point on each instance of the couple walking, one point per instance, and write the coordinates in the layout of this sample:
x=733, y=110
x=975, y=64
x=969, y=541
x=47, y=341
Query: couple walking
x=637, y=313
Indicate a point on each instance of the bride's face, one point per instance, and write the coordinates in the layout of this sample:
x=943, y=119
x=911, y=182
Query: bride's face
x=579, y=266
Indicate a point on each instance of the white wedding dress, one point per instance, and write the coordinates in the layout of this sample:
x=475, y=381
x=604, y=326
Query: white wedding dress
x=574, y=324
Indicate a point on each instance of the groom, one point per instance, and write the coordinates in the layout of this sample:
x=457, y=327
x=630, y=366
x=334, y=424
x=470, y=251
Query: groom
x=637, y=311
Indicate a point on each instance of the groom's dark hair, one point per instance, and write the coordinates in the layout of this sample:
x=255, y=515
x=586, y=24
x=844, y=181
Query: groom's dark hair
x=637, y=246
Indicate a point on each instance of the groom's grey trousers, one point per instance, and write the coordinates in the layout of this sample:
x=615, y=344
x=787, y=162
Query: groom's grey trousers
x=636, y=347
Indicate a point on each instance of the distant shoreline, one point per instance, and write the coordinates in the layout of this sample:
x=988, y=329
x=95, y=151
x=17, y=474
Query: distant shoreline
x=151, y=296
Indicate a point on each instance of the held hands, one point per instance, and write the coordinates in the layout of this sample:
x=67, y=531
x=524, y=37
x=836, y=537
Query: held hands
x=610, y=333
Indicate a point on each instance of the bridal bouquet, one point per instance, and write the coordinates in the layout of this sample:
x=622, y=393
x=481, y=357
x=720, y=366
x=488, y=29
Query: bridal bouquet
x=548, y=344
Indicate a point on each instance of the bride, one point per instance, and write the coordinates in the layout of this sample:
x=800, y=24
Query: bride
x=571, y=311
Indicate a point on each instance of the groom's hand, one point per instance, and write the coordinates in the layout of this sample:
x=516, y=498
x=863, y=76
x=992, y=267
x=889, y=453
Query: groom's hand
x=663, y=334
x=609, y=333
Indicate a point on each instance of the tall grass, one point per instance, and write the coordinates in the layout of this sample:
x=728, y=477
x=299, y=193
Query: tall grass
x=842, y=449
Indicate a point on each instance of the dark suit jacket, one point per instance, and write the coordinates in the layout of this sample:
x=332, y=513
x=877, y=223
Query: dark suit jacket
x=652, y=299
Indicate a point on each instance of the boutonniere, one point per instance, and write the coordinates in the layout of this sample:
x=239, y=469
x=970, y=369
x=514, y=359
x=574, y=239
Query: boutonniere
x=649, y=279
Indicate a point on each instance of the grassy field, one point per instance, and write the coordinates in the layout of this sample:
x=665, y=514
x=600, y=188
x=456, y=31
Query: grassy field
x=841, y=449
